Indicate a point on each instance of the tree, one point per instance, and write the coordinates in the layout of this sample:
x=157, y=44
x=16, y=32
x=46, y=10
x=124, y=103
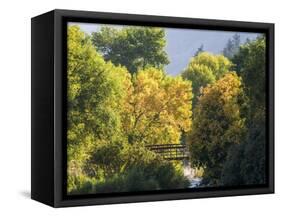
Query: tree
x=199, y=50
x=132, y=47
x=204, y=69
x=250, y=65
x=217, y=126
x=109, y=111
x=158, y=108
x=93, y=119
x=232, y=46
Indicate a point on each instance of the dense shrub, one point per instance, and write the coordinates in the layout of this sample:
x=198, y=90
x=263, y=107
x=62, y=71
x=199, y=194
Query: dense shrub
x=79, y=184
x=154, y=176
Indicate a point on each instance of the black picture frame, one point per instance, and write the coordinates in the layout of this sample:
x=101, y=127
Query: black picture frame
x=48, y=74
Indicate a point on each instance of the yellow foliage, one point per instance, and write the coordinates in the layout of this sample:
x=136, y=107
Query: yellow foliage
x=218, y=124
x=158, y=108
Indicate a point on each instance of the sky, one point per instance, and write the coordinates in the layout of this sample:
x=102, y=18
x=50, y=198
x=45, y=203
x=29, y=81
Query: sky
x=181, y=44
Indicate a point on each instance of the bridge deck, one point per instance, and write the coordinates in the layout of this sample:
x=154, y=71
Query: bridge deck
x=170, y=151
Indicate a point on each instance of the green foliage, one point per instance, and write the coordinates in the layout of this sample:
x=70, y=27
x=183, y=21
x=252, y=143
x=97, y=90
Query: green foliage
x=120, y=100
x=144, y=177
x=246, y=163
x=132, y=47
x=254, y=165
x=112, y=116
x=231, y=173
x=145, y=172
x=250, y=65
x=79, y=184
x=107, y=158
x=217, y=126
x=204, y=69
x=92, y=118
x=232, y=46
x=250, y=159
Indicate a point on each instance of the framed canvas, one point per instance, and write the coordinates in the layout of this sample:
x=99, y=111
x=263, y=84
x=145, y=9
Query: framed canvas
x=134, y=108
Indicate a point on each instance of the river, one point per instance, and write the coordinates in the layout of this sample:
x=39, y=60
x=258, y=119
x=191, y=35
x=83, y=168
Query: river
x=189, y=173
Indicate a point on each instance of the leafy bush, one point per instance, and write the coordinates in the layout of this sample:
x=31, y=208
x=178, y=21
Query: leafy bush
x=79, y=184
x=154, y=176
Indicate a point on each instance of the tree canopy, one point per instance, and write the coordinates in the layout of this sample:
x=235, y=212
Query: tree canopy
x=204, y=69
x=92, y=118
x=217, y=125
x=248, y=163
x=112, y=115
x=132, y=47
x=232, y=46
x=120, y=100
x=158, y=108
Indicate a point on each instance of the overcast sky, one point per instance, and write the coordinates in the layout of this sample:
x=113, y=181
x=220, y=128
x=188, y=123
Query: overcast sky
x=183, y=43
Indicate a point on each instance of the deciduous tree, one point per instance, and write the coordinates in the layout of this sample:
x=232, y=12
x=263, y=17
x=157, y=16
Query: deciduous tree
x=217, y=126
x=158, y=108
x=133, y=47
x=204, y=69
x=96, y=91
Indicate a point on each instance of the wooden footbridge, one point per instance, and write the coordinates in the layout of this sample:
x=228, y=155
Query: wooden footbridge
x=170, y=151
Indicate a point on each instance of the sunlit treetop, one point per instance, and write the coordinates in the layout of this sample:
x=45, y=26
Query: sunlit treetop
x=159, y=108
x=205, y=68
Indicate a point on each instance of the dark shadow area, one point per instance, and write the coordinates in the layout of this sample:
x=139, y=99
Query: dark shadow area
x=25, y=194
